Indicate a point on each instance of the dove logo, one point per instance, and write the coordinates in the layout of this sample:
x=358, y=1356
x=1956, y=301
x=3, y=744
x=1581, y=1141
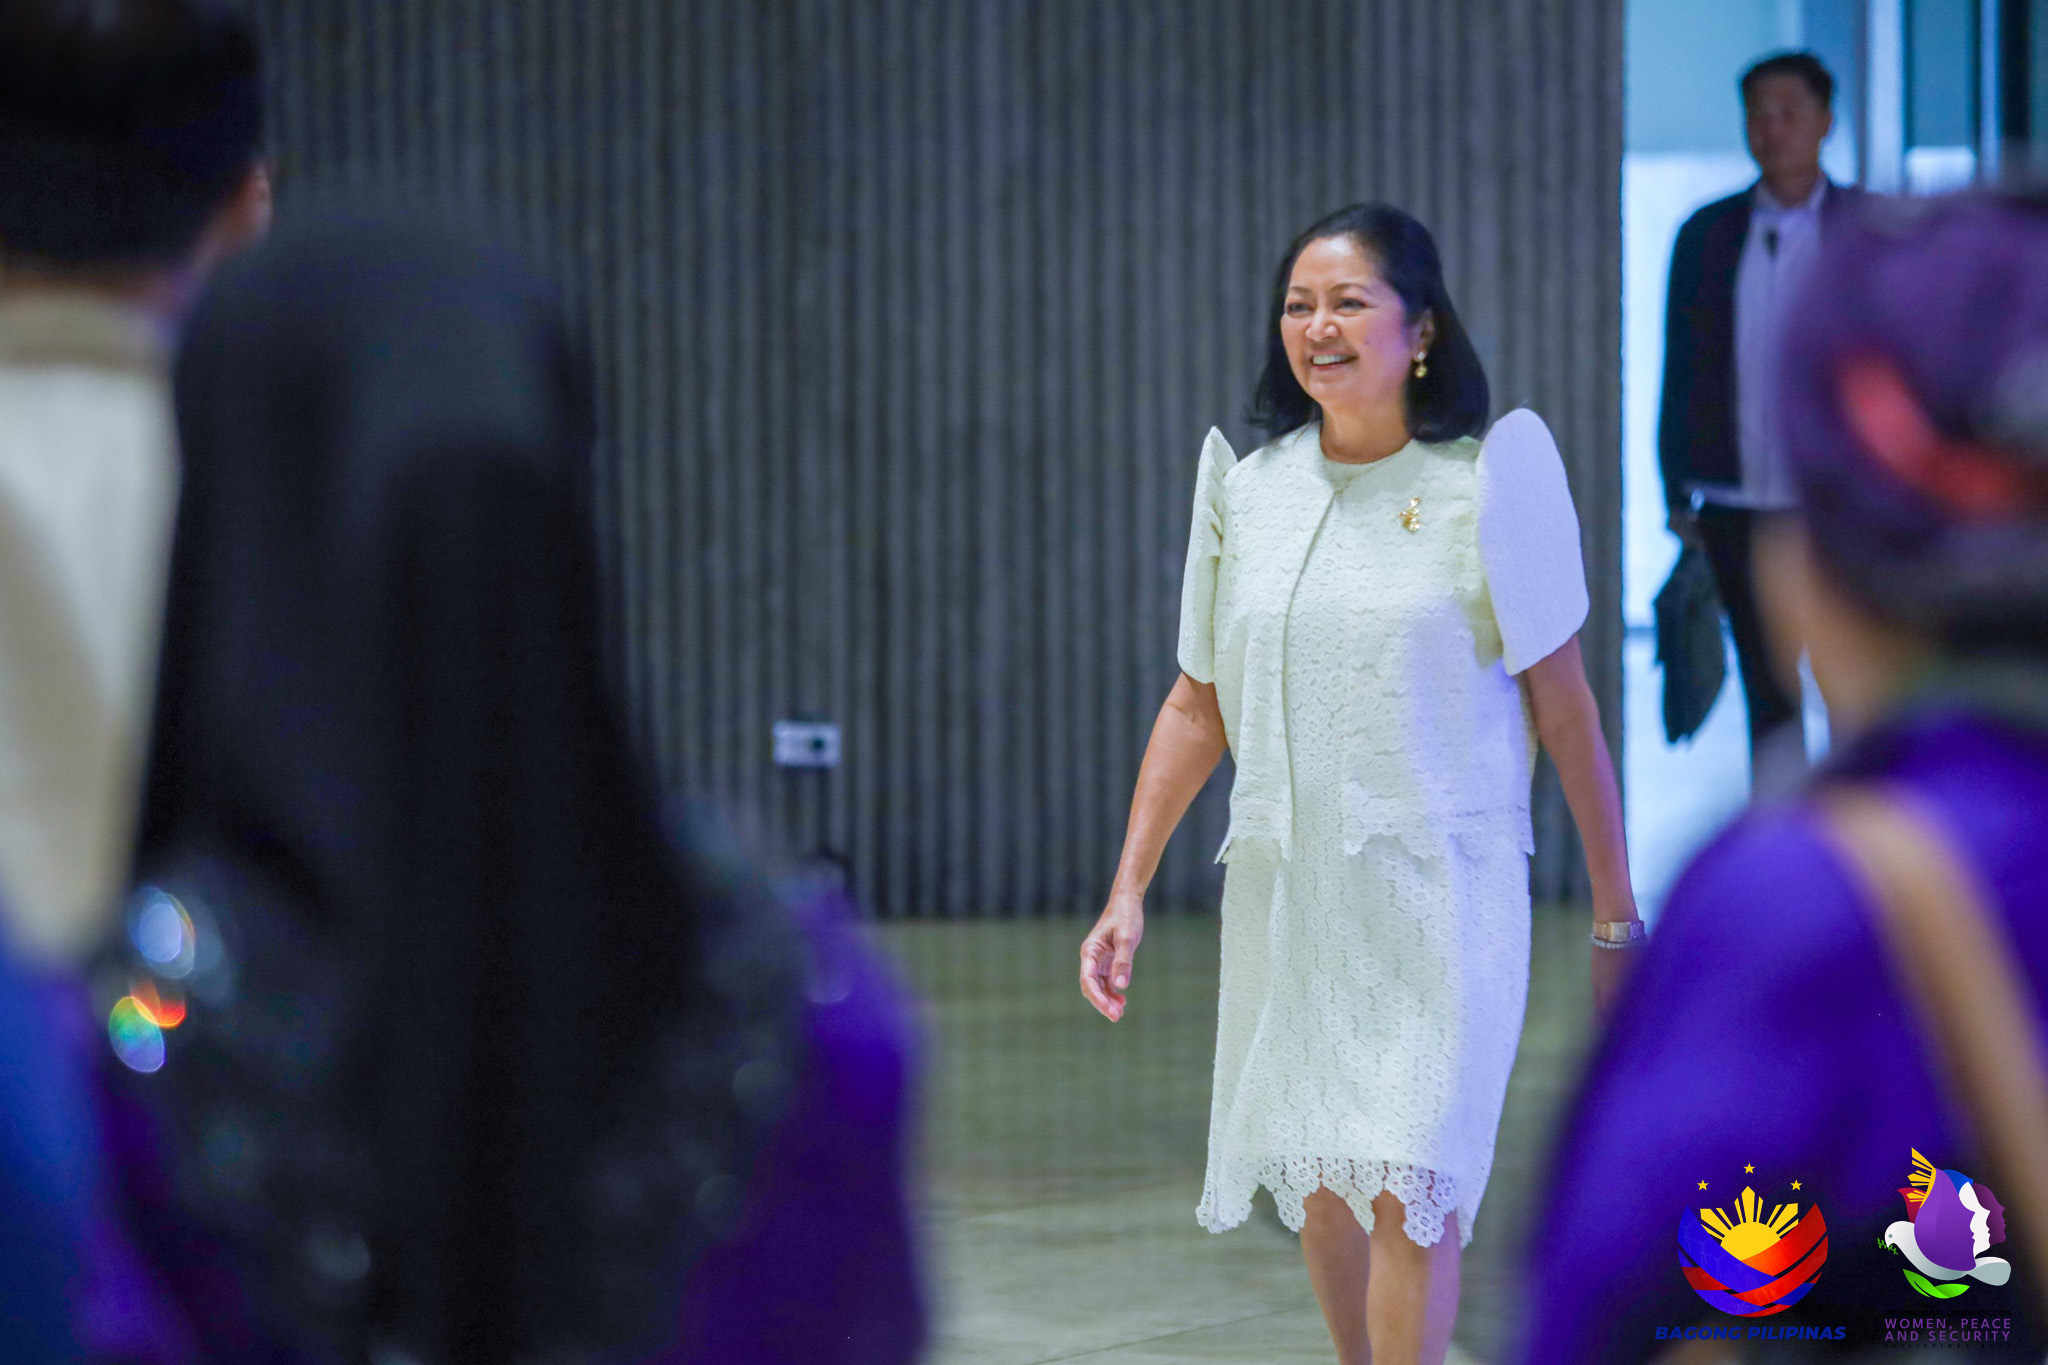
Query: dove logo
x=1951, y=1220
x=1750, y=1264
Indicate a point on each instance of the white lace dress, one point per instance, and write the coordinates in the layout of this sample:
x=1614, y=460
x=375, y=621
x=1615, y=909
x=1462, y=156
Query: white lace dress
x=1375, y=911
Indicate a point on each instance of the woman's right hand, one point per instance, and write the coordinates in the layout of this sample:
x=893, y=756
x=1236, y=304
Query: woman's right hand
x=1107, y=952
x=1186, y=745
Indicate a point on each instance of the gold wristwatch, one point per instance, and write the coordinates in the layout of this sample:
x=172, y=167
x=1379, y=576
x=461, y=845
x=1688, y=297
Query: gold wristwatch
x=1618, y=933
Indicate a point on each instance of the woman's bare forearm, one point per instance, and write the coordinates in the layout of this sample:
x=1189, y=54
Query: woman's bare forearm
x=1568, y=723
x=1186, y=745
x=1585, y=769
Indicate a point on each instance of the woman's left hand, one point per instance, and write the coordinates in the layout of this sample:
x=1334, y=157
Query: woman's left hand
x=1611, y=967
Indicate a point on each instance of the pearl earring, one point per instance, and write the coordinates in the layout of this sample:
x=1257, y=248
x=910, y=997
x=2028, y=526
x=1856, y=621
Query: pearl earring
x=1421, y=370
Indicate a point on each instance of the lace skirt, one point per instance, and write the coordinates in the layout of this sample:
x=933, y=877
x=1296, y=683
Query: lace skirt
x=1369, y=1011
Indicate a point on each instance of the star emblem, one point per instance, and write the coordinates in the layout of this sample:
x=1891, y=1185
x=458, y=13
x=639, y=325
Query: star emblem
x=1750, y=1170
x=1703, y=1184
x=1795, y=1184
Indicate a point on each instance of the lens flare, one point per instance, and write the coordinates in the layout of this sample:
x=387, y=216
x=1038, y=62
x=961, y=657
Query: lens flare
x=137, y=1040
x=164, y=1007
x=162, y=932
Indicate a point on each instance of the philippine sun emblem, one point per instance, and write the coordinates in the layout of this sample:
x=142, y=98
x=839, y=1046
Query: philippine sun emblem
x=1750, y=1264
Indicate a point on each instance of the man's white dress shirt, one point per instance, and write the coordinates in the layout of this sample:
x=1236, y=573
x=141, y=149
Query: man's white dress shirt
x=1782, y=245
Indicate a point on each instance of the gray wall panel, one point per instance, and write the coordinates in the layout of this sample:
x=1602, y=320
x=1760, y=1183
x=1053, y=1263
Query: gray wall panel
x=908, y=321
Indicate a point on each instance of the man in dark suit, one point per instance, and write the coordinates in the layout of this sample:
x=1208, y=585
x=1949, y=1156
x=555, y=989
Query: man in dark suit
x=1734, y=271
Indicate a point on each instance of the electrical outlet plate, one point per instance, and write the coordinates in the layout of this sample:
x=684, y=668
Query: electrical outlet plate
x=806, y=744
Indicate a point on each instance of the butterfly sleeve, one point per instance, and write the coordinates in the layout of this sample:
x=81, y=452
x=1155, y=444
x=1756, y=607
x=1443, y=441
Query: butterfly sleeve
x=1197, y=650
x=1529, y=540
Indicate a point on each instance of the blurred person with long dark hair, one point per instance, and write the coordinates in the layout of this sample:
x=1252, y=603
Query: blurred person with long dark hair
x=1775, y=1030
x=130, y=167
x=1379, y=620
x=479, y=1058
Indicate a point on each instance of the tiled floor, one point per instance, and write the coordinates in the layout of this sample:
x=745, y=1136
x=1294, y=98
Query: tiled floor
x=1063, y=1156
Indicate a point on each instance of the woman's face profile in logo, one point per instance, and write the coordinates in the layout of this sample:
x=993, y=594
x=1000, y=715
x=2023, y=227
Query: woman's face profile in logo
x=1951, y=1221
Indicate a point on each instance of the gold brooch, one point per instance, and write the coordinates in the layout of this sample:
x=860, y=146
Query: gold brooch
x=1411, y=515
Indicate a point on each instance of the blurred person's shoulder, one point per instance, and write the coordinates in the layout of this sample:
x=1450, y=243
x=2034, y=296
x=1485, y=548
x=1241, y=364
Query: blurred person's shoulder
x=1948, y=753
x=1847, y=194
x=1985, y=779
x=1767, y=889
x=1773, y=876
x=1716, y=213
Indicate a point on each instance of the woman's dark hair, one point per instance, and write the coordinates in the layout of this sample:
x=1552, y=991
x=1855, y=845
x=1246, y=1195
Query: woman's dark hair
x=1452, y=400
x=391, y=789
x=125, y=125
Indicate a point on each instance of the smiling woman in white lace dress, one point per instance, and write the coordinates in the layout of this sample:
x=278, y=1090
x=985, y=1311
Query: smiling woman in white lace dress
x=1380, y=616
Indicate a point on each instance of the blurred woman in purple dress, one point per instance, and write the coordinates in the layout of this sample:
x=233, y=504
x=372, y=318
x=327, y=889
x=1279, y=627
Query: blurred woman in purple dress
x=1767, y=1038
x=477, y=1057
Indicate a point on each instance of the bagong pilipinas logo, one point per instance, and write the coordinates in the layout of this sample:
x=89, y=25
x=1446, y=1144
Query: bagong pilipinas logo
x=1748, y=1264
x=1950, y=1222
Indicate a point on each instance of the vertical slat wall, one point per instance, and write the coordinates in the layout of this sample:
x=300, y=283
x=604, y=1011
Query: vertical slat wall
x=909, y=319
